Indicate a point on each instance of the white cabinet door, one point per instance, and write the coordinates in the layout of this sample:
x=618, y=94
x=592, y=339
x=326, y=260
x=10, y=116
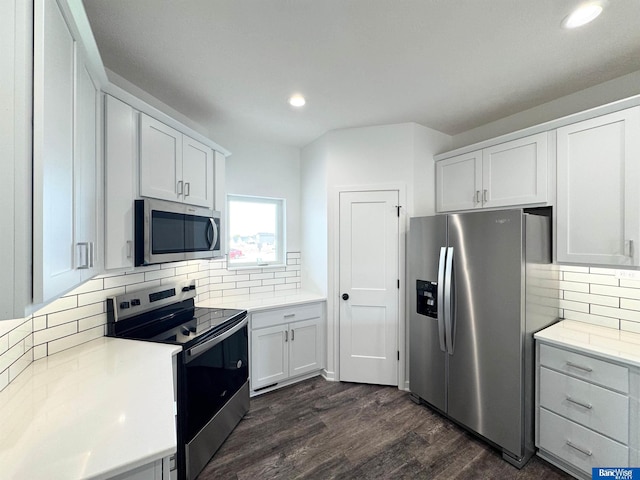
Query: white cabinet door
x=54, y=249
x=160, y=160
x=121, y=156
x=86, y=175
x=459, y=182
x=269, y=356
x=598, y=200
x=515, y=173
x=305, y=346
x=197, y=172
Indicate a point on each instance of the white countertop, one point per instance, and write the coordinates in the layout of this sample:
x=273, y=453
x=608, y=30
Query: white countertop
x=610, y=343
x=263, y=301
x=93, y=411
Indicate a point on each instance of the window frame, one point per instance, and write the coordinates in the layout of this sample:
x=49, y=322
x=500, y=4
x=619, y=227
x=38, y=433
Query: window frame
x=280, y=234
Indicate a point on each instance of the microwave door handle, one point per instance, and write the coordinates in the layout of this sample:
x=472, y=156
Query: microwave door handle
x=214, y=230
x=193, y=352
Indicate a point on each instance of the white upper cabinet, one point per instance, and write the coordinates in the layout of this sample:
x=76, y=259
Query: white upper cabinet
x=173, y=166
x=121, y=160
x=64, y=159
x=598, y=200
x=509, y=174
x=197, y=172
x=515, y=173
x=459, y=181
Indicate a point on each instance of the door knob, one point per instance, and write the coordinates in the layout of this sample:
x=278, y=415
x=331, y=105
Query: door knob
x=345, y=296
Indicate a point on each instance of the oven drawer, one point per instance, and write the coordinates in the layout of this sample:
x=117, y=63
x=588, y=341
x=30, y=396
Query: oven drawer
x=595, y=407
x=579, y=446
x=291, y=314
x=588, y=368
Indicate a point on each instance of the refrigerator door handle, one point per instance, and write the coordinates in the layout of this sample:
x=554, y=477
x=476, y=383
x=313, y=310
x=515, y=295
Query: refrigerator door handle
x=440, y=299
x=449, y=301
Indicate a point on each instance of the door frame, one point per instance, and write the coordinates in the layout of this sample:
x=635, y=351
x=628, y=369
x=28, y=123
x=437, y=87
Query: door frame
x=333, y=304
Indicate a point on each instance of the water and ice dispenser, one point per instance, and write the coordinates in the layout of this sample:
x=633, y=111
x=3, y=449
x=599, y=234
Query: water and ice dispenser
x=427, y=294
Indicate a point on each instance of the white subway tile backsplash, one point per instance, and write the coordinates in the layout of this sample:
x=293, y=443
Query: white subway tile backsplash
x=75, y=340
x=158, y=274
x=80, y=316
x=591, y=298
x=573, y=286
x=630, y=326
x=602, y=271
x=619, y=313
x=593, y=319
x=625, y=282
x=590, y=278
x=123, y=280
x=572, y=268
x=55, y=319
x=575, y=306
x=616, y=291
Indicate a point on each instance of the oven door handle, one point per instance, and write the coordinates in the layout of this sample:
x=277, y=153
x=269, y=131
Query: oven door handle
x=194, y=352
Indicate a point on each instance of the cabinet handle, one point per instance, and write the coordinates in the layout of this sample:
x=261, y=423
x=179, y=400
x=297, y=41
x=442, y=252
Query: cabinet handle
x=286, y=336
x=187, y=189
x=129, y=248
x=477, y=196
x=292, y=334
x=179, y=187
x=578, y=402
x=290, y=315
x=579, y=367
x=484, y=196
x=588, y=453
x=628, y=248
x=91, y=254
x=83, y=265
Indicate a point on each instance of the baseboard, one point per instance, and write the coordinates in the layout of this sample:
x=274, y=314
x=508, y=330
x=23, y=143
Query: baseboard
x=329, y=376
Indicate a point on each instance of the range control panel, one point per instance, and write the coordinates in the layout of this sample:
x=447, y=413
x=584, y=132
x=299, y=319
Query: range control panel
x=130, y=304
x=427, y=294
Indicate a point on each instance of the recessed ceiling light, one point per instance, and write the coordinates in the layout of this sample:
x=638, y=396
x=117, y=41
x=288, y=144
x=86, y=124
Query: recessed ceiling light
x=583, y=14
x=297, y=100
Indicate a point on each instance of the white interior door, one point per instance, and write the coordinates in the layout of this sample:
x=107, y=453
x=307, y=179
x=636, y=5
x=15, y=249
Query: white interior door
x=369, y=277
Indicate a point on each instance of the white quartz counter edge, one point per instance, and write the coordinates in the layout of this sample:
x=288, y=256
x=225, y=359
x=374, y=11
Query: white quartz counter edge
x=262, y=301
x=93, y=411
x=609, y=343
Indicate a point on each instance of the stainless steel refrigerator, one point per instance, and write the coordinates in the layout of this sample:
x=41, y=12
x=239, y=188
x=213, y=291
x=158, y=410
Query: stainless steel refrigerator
x=471, y=323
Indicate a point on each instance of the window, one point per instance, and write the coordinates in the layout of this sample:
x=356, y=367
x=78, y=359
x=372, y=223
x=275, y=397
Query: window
x=256, y=231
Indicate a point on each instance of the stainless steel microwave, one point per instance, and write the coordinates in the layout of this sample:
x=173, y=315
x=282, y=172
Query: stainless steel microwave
x=171, y=232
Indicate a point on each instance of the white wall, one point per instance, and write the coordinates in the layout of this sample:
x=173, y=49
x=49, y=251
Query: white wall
x=265, y=169
x=607, y=92
x=400, y=154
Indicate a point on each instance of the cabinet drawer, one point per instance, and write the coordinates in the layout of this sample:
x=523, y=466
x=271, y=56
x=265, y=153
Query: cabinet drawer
x=286, y=315
x=588, y=368
x=595, y=407
x=590, y=449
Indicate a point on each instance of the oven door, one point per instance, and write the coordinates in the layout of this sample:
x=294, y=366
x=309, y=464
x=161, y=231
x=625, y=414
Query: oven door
x=215, y=393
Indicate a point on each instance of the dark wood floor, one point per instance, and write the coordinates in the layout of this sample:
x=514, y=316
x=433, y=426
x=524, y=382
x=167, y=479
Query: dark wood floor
x=319, y=429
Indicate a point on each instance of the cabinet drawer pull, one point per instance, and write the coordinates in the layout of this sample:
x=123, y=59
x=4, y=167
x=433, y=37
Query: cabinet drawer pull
x=290, y=315
x=484, y=196
x=179, y=187
x=286, y=335
x=187, y=189
x=129, y=248
x=588, y=453
x=292, y=334
x=578, y=402
x=628, y=247
x=579, y=367
x=477, y=196
x=83, y=260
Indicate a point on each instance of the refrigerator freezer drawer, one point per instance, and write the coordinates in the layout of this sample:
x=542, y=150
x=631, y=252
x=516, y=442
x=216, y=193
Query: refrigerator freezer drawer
x=594, y=407
x=579, y=446
x=590, y=369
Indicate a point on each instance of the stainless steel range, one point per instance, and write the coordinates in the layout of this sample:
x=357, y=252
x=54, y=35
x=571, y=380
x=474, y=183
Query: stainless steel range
x=212, y=381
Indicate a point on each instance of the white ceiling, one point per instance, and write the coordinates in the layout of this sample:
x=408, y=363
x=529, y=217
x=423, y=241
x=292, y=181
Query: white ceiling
x=451, y=65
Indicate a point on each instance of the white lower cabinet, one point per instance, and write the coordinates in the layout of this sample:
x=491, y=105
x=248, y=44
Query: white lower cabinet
x=286, y=344
x=585, y=413
x=158, y=470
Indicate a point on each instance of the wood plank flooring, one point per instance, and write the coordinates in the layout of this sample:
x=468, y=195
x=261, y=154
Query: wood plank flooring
x=321, y=430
